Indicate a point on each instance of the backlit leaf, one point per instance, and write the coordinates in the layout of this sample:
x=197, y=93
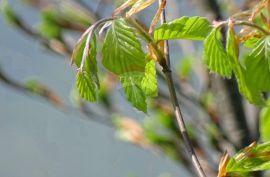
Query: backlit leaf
x=122, y=50
x=215, y=56
x=251, y=94
x=87, y=79
x=194, y=28
x=91, y=63
x=86, y=86
x=131, y=83
x=265, y=124
x=149, y=82
x=258, y=73
x=255, y=157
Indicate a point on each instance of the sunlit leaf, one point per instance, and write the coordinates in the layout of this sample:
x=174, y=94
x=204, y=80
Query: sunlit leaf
x=91, y=63
x=255, y=157
x=258, y=73
x=265, y=124
x=86, y=86
x=215, y=56
x=87, y=79
x=251, y=94
x=131, y=83
x=250, y=43
x=149, y=81
x=194, y=28
x=122, y=50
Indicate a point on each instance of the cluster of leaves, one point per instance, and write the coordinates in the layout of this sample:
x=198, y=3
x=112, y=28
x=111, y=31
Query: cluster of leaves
x=255, y=157
x=135, y=65
x=124, y=56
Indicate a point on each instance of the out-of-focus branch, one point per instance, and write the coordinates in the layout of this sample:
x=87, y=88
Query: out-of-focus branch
x=230, y=105
x=37, y=89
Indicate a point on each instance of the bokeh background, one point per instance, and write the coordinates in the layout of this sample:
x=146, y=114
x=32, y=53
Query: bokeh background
x=42, y=138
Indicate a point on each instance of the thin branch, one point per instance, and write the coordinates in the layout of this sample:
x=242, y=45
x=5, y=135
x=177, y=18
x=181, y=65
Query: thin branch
x=166, y=43
x=181, y=123
x=176, y=106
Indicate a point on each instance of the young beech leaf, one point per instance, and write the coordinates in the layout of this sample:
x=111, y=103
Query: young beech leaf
x=86, y=86
x=215, y=56
x=193, y=28
x=255, y=157
x=87, y=80
x=250, y=93
x=131, y=83
x=265, y=123
x=149, y=81
x=258, y=73
x=91, y=63
x=122, y=51
x=250, y=43
x=77, y=54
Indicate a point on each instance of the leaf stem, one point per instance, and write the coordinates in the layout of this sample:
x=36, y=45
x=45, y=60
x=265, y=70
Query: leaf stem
x=177, y=111
x=147, y=37
x=166, y=43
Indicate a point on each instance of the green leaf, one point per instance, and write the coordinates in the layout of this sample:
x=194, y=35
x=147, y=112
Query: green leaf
x=252, y=158
x=215, y=56
x=122, y=51
x=87, y=80
x=251, y=94
x=265, y=124
x=193, y=28
x=250, y=43
x=258, y=73
x=91, y=63
x=149, y=82
x=131, y=83
x=86, y=86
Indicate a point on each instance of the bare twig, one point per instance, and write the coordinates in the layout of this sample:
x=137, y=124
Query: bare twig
x=181, y=123
x=176, y=106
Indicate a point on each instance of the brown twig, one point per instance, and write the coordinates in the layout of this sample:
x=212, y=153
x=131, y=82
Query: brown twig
x=178, y=113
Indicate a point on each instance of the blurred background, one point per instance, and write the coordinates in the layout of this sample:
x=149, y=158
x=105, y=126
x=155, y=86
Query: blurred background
x=47, y=130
